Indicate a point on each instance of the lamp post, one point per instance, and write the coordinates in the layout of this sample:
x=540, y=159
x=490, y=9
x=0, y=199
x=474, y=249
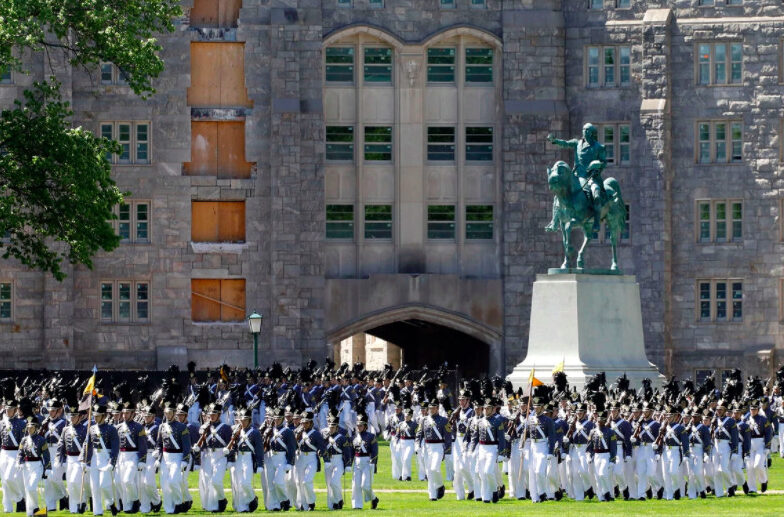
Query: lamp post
x=254, y=324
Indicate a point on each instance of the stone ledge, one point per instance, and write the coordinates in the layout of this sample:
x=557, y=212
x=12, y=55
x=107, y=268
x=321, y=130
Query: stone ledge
x=219, y=247
x=653, y=105
x=657, y=16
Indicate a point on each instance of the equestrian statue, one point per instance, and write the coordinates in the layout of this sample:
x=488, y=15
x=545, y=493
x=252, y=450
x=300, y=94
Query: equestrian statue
x=582, y=198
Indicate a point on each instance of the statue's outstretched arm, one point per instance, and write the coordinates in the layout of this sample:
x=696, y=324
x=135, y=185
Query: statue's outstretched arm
x=562, y=143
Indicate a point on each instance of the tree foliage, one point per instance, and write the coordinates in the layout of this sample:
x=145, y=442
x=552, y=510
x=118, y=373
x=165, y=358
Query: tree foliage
x=56, y=191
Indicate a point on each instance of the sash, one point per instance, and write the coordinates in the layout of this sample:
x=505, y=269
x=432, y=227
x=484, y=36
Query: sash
x=306, y=439
x=150, y=439
x=244, y=439
x=214, y=434
x=123, y=431
x=334, y=445
x=695, y=434
x=646, y=428
x=75, y=436
x=670, y=435
x=276, y=436
x=97, y=433
x=359, y=442
x=614, y=427
x=11, y=434
x=538, y=429
x=580, y=429
x=754, y=426
x=720, y=428
x=167, y=431
x=52, y=431
x=596, y=432
x=434, y=427
x=489, y=430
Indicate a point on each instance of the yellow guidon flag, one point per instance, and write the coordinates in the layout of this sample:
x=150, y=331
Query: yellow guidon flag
x=558, y=367
x=533, y=381
x=90, y=383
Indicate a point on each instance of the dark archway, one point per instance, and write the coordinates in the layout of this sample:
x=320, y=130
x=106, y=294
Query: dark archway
x=425, y=343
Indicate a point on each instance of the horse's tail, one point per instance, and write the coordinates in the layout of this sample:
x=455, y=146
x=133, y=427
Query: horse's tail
x=613, y=188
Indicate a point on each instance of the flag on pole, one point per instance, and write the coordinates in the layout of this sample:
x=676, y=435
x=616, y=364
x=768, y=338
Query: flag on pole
x=90, y=383
x=533, y=381
x=558, y=367
x=87, y=394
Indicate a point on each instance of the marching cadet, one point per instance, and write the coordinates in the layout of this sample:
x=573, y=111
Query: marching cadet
x=460, y=455
x=390, y=433
x=103, y=447
x=419, y=449
x=70, y=456
x=281, y=449
x=54, y=487
x=554, y=474
x=602, y=452
x=744, y=444
x=173, y=446
x=310, y=445
x=249, y=461
x=725, y=450
x=645, y=464
x=761, y=437
x=436, y=433
x=699, y=444
x=336, y=457
x=34, y=461
x=406, y=435
x=182, y=414
x=11, y=433
x=623, y=470
x=214, y=459
x=577, y=438
x=540, y=435
x=149, y=497
x=365, y=458
x=132, y=458
x=490, y=443
x=675, y=450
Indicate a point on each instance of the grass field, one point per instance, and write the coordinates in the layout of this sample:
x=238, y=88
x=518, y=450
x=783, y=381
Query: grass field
x=401, y=501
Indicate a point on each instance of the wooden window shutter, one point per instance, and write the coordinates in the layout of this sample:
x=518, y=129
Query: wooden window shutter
x=205, y=294
x=204, y=149
x=215, y=13
x=231, y=150
x=233, y=296
x=205, y=221
x=231, y=221
x=218, y=75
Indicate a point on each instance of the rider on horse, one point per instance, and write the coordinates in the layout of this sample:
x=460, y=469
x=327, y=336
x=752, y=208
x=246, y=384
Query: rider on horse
x=589, y=161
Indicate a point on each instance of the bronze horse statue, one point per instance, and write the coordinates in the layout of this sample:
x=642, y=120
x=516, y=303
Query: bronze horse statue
x=575, y=209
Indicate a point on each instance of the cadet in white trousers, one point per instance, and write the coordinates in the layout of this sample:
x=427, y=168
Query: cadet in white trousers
x=34, y=462
x=249, y=451
x=365, y=458
x=103, y=449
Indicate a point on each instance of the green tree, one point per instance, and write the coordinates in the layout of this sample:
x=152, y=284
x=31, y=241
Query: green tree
x=56, y=191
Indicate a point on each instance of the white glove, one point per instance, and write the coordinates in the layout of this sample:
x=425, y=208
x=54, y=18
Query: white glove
x=184, y=465
x=627, y=459
x=157, y=464
x=657, y=457
x=107, y=468
x=48, y=473
x=634, y=440
x=288, y=469
x=225, y=451
x=706, y=458
x=549, y=457
x=259, y=470
x=349, y=468
x=156, y=454
x=565, y=440
x=195, y=449
x=140, y=467
x=589, y=459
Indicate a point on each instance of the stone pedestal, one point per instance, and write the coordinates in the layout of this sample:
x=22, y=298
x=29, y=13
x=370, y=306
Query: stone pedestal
x=593, y=323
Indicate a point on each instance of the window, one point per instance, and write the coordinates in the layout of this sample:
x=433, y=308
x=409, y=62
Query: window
x=218, y=75
x=441, y=222
x=6, y=301
x=478, y=4
x=378, y=65
x=719, y=141
x=376, y=4
x=707, y=2
x=608, y=67
x=441, y=144
x=479, y=144
x=340, y=143
x=720, y=300
x=447, y=4
x=623, y=4
x=378, y=221
x=479, y=222
x=617, y=142
x=133, y=137
x=218, y=300
x=719, y=63
x=479, y=65
x=340, y=64
x=719, y=221
x=125, y=301
x=345, y=3
x=218, y=221
x=378, y=143
x=5, y=75
x=111, y=74
x=133, y=221
x=340, y=221
x=441, y=65
x=595, y=4
x=218, y=149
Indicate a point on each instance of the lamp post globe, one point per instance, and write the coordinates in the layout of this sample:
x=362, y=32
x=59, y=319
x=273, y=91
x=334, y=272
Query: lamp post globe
x=254, y=325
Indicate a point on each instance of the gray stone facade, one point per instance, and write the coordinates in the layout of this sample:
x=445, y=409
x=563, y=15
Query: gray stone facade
x=313, y=291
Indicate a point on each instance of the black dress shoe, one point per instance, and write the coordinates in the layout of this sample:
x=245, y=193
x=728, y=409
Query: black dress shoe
x=374, y=503
x=528, y=494
x=155, y=508
x=253, y=504
x=764, y=487
x=113, y=509
x=340, y=504
x=617, y=491
x=590, y=493
x=521, y=498
x=441, y=492
x=708, y=489
x=626, y=494
x=558, y=495
x=408, y=478
x=649, y=493
x=745, y=488
x=702, y=495
x=64, y=503
x=642, y=499
x=335, y=506
x=542, y=497
x=677, y=494
x=731, y=491
x=81, y=508
x=495, y=497
x=502, y=492
x=660, y=493
x=433, y=499
x=285, y=505
x=21, y=506
x=312, y=506
x=470, y=496
x=135, y=507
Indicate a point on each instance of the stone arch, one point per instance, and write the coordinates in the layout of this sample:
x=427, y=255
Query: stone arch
x=463, y=30
x=354, y=30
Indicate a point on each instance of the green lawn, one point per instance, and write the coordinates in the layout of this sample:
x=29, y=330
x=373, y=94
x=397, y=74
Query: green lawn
x=402, y=503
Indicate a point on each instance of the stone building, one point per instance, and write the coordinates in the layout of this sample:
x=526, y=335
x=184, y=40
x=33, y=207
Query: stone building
x=378, y=166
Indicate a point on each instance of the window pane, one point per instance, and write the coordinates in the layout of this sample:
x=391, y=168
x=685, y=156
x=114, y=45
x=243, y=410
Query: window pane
x=378, y=65
x=705, y=301
x=624, y=4
x=479, y=65
x=440, y=222
x=593, y=66
x=106, y=73
x=609, y=66
x=625, y=145
x=721, y=221
x=625, y=65
x=441, y=65
x=441, y=143
x=142, y=303
x=340, y=64
x=720, y=63
x=142, y=223
x=737, y=142
x=737, y=221
x=704, y=222
x=124, y=225
x=477, y=4
x=596, y=4
x=737, y=300
x=705, y=155
x=378, y=221
x=340, y=143
x=479, y=222
x=704, y=64
x=447, y=4
x=736, y=53
x=721, y=142
x=721, y=300
x=5, y=301
x=378, y=143
x=106, y=301
x=609, y=143
x=340, y=221
x=376, y=3
x=124, y=137
x=479, y=144
x=142, y=143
